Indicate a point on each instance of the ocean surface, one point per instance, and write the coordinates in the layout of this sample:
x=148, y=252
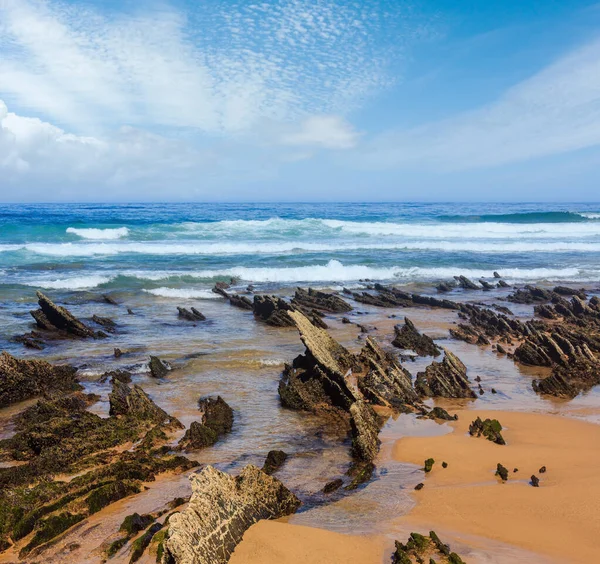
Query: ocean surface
x=180, y=250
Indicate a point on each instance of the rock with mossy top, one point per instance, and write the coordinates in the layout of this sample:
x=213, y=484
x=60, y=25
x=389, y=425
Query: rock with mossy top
x=428, y=465
x=502, y=472
x=424, y=548
x=158, y=368
x=216, y=420
x=490, y=429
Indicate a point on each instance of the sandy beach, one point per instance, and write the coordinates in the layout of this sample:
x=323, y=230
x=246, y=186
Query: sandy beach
x=560, y=518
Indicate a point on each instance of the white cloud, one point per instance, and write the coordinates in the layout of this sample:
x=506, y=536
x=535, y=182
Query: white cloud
x=555, y=111
x=224, y=68
x=330, y=132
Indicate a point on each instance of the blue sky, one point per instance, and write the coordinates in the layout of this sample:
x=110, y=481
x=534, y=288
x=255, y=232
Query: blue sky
x=299, y=100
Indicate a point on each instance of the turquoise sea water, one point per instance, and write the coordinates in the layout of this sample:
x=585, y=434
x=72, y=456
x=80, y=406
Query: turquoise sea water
x=179, y=250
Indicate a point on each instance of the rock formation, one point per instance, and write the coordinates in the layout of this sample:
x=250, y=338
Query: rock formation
x=408, y=338
x=52, y=317
x=24, y=379
x=216, y=420
x=313, y=299
x=191, y=314
x=221, y=509
x=420, y=548
x=447, y=379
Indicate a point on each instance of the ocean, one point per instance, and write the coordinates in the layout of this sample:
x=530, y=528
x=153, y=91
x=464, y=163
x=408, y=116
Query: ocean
x=180, y=250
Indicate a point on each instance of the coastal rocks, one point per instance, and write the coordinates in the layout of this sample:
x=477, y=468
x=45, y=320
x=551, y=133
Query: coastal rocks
x=441, y=413
x=274, y=461
x=502, y=472
x=490, y=429
x=446, y=379
x=105, y=322
x=221, y=509
x=535, y=481
x=51, y=317
x=24, y=379
x=191, y=314
x=313, y=299
x=216, y=420
x=420, y=548
x=235, y=300
x=385, y=382
x=134, y=402
x=408, y=338
x=273, y=311
x=466, y=284
x=392, y=297
x=318, y=381
x=158, y=368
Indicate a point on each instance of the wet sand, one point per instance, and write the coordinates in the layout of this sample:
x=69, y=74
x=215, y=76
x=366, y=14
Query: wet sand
x=561, y=518
x=272, y=542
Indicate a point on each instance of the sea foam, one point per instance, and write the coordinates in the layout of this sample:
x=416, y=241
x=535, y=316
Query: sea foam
x=99, y=234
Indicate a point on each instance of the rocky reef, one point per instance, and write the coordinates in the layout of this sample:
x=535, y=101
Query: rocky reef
x=420, y=548
x=25, y=379
x=59, y=436
x=446, y=379
x=408, y=338
x=221, y=509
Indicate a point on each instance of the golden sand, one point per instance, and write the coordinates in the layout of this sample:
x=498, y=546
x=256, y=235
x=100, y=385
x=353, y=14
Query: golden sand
x=560, y=519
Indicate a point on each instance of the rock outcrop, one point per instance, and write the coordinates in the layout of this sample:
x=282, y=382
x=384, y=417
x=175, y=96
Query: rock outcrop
x=221, y=509
x=392, y=297
x=490, y=429
x=158, y=368
x=420, y=548
x=191, y=314
x=52, y=317
x=408, y=338
x=447, y=379
x=273, y=310
x=236, y=300
x=216, y=420
x=24, y=379
x=314, y=299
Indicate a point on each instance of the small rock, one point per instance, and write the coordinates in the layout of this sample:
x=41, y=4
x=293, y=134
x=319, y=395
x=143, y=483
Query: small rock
x=333, y=486
x=494, y=391
x=429, y=465
x=118, y=352
x=535, y=481
x=274, y=461
x=502, y=472
x=419, y=486
x=130, y=311
x=158, y=368
x=444, y=465
x=542, y=470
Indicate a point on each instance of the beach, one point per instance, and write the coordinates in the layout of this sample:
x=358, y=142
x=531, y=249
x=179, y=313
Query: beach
x=368, y=272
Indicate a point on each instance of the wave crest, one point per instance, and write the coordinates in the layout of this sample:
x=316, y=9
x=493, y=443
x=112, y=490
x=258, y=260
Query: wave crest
x=99, y=234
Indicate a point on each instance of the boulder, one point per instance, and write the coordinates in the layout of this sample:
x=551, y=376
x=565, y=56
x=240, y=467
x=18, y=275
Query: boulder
x=408, y=338
x=52, y=317
x=221, y=509
x=24, y=379
x=158, y=367
x=490, y=429
x=466, y=284
x=446, y=379
x=274, y=461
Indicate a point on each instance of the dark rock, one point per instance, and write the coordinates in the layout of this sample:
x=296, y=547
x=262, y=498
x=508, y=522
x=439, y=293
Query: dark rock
x=419, y=486
x=444, y=465
x=500, y=349
x=24, y=379
x=535, y=481
x=494, y=391
x=444, y=379
x=444, y=287
x=134, y=402
x=158, y=368
x=32, y=340
x=52, y=317
x=501, y=472
x=361, y=472
x=274, y=461
x=407, y=337
x=190, y=314
x=428, y=465
x=440, y=413
x=273, y=310
x=109, y=300
x=130, y=311
x=216, y=420
x=466, y=284
x=118, y=353
x=333, y=486
x=313, y=299
x=105, y=322
x=486, y=285
x=496, y=275
x=530, y=295
x=503, y=284
x=120, y=375
x=542, y=470
x=345, y=320
x=141, y=543
x=490, y=429
x=418, y=548
x=220, y=510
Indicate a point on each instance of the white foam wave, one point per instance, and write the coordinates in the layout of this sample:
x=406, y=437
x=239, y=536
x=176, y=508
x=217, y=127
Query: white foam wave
x=183, y=293
x=271, y=361
x=73, y=283
x=97, y=234
x=195, y=248
x=589, y=215
x=335, y=271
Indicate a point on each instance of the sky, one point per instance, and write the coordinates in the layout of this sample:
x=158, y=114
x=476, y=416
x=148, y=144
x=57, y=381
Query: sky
x=299, y=100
